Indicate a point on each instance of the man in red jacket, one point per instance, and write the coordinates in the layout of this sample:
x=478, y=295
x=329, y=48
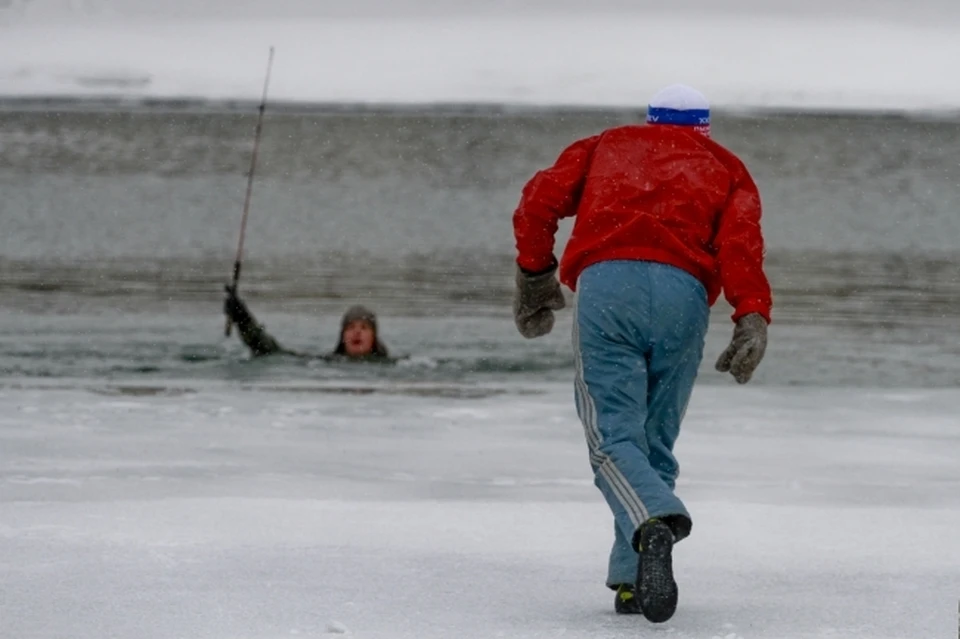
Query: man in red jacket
x=666, y=219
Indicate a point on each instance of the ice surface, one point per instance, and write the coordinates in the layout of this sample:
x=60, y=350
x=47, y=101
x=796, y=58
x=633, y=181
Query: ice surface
x=207, y=512
x=740, y=58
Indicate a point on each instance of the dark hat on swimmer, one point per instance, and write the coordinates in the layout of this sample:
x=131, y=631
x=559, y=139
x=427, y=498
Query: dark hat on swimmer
x=359, y=312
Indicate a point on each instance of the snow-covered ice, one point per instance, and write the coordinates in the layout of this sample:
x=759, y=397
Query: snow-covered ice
x=816, y=59
x=208, y=512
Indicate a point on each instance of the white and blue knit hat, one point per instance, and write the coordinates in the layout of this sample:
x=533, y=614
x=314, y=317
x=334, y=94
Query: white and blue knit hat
x=680, y=105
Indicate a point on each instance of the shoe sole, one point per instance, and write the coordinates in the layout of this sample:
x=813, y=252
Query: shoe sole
x=655, y=584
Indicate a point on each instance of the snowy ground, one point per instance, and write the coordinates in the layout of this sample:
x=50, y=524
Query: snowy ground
x=739, y=58
x=215, y=513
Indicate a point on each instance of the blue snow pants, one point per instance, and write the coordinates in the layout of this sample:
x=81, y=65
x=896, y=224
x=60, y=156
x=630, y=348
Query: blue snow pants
x=638, y=335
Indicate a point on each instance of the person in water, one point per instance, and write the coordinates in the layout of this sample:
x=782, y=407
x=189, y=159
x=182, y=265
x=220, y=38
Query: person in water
x=358, y=341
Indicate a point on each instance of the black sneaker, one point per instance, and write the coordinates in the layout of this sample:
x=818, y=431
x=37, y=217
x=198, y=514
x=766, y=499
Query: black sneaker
x=656, y=587
x=626, y=601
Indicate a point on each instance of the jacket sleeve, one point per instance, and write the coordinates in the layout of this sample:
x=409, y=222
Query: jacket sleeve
x=740, y=251
x=258, y=340
x=552, y=194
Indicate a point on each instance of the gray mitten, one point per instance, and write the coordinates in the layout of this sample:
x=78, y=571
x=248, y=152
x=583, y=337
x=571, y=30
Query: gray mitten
x=537, y=296
x=746, y=349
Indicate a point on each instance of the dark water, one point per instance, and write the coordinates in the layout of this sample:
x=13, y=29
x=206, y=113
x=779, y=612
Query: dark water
x=119, y=227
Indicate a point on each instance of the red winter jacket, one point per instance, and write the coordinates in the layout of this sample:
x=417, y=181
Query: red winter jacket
x=658, y=193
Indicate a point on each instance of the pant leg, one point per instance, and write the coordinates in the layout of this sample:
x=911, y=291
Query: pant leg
x=613, y=316
x=622, y=568
x=678, y=330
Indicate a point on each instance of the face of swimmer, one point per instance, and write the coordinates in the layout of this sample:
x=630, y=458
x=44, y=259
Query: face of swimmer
x=358, y=338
